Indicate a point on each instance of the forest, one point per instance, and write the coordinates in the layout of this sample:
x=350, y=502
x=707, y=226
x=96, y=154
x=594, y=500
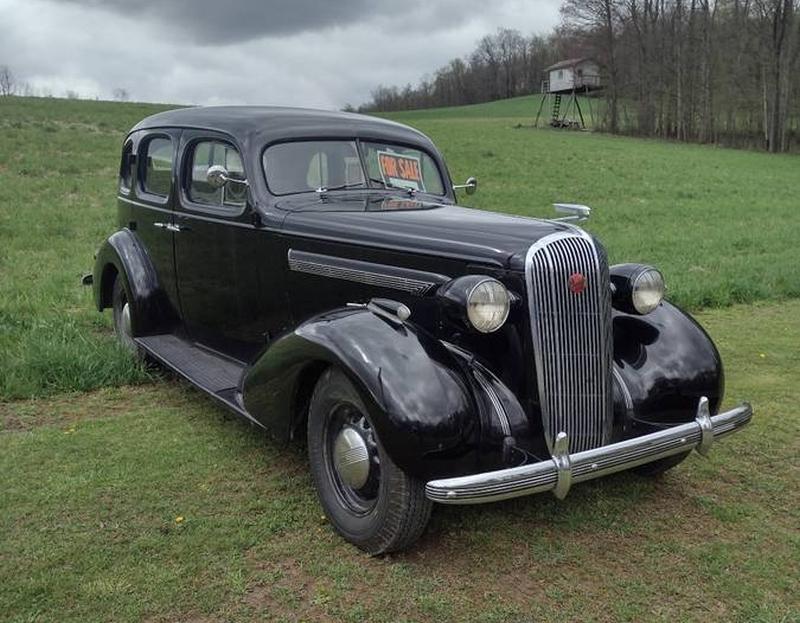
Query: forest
x=708, y=71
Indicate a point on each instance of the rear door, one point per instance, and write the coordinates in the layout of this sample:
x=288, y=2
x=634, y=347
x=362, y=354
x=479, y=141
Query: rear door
x=217, y=250
x=146, y=199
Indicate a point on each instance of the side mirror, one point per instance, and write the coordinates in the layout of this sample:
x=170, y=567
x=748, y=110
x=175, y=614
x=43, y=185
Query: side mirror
x=217, y=176
x=470, y=186
x=574, y=211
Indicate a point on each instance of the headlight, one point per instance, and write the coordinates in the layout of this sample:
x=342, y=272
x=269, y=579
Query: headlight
x=648, y=290
x=478, y=301
x=638, y=289
x=487, y=305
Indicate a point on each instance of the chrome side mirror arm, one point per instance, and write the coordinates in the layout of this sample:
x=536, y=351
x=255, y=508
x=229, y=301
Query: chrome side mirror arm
x=470, y=186
x=575, y=212
x=217, y=176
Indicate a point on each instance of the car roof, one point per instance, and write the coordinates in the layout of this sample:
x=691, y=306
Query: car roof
x=264, y=124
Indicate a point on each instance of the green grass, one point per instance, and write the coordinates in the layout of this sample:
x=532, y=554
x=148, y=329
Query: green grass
x=100, y=457
x=94, y=484
x=718, y=223
x=57, y=189
x=523, y=108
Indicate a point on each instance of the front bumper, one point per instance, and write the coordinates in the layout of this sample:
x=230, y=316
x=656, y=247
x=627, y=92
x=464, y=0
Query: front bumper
x=559, y=473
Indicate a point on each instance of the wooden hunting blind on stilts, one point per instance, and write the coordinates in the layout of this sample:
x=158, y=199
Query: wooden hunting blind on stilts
x=572, y=77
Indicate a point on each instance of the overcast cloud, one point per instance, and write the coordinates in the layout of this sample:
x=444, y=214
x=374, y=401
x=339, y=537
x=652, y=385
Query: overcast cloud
x=321, y=53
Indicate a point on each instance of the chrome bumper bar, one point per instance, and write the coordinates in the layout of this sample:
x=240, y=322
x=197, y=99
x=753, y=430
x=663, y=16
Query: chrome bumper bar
x=559, y=473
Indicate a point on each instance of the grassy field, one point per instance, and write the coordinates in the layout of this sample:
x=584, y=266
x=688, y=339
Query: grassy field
x=523, y=108
x=127, y=496
x=151, y=504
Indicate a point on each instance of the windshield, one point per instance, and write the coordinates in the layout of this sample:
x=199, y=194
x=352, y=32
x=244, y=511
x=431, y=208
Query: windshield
x=305, y=166
x=401, y=167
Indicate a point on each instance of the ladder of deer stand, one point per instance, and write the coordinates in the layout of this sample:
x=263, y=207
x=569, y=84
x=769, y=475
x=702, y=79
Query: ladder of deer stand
x=556, y=110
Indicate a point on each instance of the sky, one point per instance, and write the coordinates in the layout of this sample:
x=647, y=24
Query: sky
x=314, y=53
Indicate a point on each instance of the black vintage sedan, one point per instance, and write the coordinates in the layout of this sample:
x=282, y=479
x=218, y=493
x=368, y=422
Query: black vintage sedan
x=312, y=272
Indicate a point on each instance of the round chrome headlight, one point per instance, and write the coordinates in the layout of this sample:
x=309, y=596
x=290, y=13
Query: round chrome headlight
x=647, y=291
x=488, y=304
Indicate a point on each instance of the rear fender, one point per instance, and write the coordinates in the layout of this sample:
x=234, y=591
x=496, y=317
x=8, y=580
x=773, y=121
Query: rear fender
x=123, y=256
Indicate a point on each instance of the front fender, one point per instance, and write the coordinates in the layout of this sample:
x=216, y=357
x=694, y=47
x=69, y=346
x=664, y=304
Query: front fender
x=666, y=363
x=123, y=255
x=416, y=391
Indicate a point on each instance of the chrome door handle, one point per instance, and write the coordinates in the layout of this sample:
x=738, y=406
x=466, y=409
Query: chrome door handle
x=168, y=226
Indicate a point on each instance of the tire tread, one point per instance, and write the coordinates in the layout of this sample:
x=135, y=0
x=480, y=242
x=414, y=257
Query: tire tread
x=407, y=510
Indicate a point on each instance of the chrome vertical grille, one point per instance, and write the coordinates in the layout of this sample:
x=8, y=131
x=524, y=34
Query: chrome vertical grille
x=571, y=338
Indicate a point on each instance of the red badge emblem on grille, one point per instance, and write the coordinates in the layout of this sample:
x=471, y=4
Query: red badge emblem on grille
x=576, y=283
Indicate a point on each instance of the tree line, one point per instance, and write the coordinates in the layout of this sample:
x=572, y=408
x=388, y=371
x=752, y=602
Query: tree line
x=502, y=65
x=712, y=71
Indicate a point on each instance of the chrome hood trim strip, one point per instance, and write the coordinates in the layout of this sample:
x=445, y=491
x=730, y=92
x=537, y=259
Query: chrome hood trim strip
x=380, y=275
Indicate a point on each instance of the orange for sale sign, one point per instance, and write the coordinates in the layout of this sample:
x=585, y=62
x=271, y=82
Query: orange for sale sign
x=400, y=170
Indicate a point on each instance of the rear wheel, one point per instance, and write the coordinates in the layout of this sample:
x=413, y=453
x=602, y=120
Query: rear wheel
x=123, y=318
x=368, y=499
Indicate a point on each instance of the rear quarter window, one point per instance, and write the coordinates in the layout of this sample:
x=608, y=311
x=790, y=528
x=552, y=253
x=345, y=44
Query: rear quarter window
x=158, y=166
x=126, y=167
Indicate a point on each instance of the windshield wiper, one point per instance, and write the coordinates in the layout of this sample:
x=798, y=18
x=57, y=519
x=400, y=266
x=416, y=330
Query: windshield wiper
x=324, y=189
x=408, y=189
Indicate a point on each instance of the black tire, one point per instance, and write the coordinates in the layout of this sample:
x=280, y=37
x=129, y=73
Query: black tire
x=656, y=468
x=389, y=511
x=123, y=326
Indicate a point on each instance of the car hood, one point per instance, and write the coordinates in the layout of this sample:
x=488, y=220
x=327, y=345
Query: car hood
x=418, y=226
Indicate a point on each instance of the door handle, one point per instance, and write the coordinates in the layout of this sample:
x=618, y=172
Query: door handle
x=169, y=227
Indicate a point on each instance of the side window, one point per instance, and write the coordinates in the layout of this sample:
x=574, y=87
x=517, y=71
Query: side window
x=206, y=154
x=158, y=166
x=126, y=167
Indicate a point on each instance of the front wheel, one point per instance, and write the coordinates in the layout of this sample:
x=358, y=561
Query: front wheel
x=368, y=499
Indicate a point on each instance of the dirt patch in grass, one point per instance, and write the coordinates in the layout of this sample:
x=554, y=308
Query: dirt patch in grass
x=289, y=596
x=66, y=410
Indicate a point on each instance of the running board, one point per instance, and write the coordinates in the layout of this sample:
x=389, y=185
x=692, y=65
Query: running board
x=214, y=374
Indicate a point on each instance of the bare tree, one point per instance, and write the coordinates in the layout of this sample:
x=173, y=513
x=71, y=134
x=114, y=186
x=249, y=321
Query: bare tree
x=722, y=71
x=778, y=17
x=602, y=17
x=511, y=48
x=121, y=94
x=7, y=81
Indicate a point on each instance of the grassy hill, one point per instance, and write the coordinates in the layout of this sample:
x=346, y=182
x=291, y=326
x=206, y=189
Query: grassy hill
x=513, y=108
x=126, y=496
x=522, y=109
x=716, y=222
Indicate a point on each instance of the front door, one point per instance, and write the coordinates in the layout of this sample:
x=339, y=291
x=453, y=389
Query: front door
x=216, y=251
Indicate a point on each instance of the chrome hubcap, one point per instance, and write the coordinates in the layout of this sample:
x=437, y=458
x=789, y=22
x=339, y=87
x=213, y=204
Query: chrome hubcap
x=351, y=458
x=125, y=320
